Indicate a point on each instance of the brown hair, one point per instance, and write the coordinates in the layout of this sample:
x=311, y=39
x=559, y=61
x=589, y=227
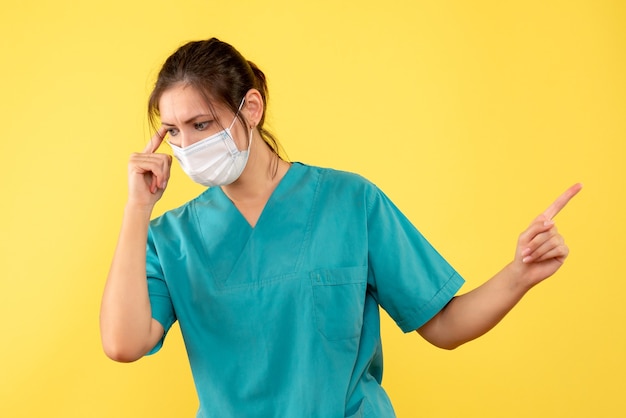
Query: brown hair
x=218, y=72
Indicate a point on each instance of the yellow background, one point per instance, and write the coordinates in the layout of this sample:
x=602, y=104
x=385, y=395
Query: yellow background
x=472, y=115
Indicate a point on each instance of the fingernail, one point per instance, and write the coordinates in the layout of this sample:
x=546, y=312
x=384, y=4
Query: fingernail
x=526, y=259
x=526, y=251
x=549, y=222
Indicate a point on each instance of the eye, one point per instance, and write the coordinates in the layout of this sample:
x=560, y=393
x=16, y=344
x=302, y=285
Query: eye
x=201, y=126
x=172, y=131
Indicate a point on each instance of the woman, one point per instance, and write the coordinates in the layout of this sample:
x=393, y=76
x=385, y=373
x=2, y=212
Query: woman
x=276, y=272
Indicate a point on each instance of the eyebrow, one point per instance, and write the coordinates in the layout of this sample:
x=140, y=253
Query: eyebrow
x=187, y=121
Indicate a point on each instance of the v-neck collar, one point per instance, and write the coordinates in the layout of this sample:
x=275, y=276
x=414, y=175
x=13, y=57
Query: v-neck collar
x=239, y=255
x=282, y=184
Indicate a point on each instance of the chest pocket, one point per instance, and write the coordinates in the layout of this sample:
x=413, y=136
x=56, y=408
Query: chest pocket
x=339, y=301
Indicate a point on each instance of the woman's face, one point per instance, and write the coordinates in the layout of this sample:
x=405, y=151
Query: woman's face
x=189, y=119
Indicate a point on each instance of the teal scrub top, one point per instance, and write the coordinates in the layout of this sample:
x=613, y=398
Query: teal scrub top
x=282, y=320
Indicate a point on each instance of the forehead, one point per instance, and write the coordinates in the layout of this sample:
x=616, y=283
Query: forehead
x=183, y=101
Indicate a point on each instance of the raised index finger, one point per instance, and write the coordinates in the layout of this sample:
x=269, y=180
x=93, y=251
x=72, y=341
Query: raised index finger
x=155, y=141
x=561, y=201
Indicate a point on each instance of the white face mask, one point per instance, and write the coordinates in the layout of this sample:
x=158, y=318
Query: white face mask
x=216, y=160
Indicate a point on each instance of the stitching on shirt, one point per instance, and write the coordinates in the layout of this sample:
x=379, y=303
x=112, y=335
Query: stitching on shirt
x=309, y=226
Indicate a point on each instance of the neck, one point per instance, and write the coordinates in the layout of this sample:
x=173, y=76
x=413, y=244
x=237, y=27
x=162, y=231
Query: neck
x=263, y=172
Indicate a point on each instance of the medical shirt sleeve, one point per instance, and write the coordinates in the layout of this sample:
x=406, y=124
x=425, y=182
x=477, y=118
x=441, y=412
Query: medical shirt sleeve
x=407, y=276
x=160, y=301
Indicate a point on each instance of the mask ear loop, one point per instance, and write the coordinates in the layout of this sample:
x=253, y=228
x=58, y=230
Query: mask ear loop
x=236, y=114
x=250, y=140
x=233, y=124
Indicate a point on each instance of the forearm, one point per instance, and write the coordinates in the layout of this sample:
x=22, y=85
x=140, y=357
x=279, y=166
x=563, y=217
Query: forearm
x=471, y=315
x=125, y=315
x=540, y=252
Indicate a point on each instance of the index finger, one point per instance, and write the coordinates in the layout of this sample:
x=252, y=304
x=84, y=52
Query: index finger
x=155, y=141
x=561, y=201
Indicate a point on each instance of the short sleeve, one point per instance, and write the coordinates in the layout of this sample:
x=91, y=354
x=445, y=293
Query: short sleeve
x=160, y=301
x=407, y=276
